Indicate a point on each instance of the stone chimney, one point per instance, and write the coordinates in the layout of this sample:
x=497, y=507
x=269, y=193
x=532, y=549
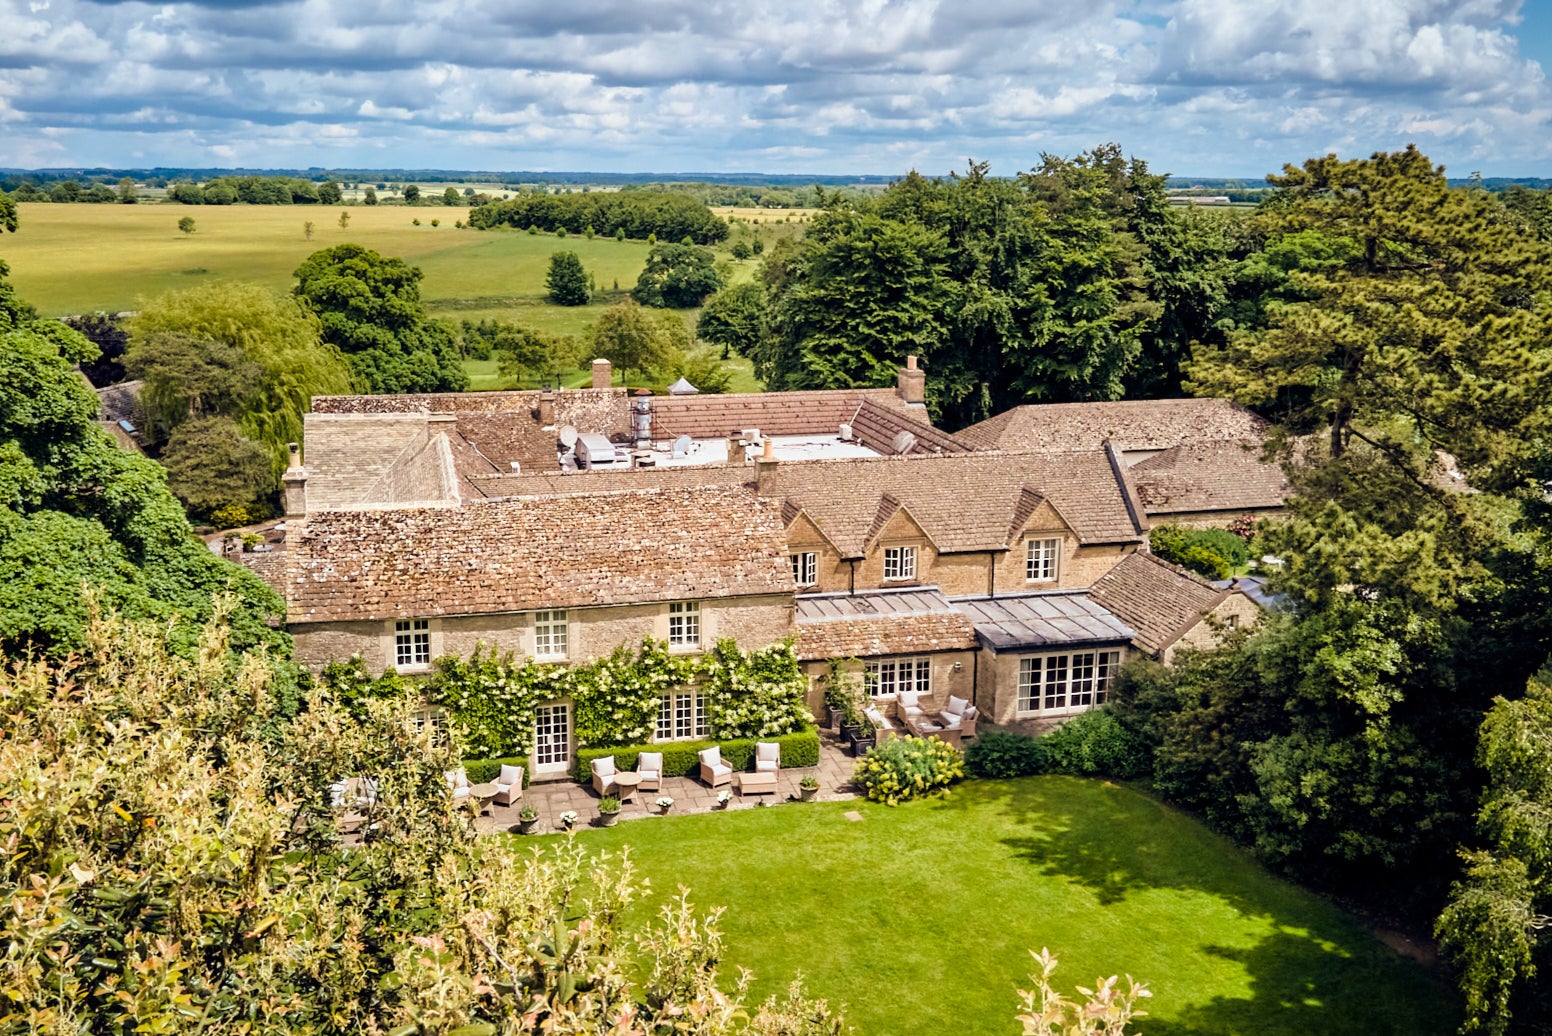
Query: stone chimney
x=294, y=483
x=603, y=374
x=765, y=471
x=546, y=408
x=913, y=383
x=735, y=451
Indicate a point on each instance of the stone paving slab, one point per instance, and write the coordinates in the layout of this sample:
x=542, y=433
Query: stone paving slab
x=551, y=799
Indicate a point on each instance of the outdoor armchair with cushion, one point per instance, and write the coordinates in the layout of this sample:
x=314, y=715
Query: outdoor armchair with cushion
x=650, y=766
x=603, y=775
x=882, y=725
x=767, y=757
x=509, y=785
x=713, y=770
x=458, y=781
x=959, y=715
x=908, y=705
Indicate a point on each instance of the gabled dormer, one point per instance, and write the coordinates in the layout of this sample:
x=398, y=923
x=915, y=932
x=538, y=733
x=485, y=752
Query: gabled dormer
x=898, y=551
x=818, y=565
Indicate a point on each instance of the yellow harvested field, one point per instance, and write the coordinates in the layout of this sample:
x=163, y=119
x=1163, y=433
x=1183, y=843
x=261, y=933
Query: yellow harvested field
x=752, y=215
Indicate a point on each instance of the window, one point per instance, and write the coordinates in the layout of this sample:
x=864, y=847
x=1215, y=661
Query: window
x=1040, y=561
x=899, y=562
x=411, y=643
x=1066, y=683
x=681, y=717
x=888, y=677
x=684, y=624
x=550, y=634
x=432, y=716
x=805, y=568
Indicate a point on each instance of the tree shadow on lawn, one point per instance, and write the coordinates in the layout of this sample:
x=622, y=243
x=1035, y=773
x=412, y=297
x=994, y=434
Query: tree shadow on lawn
x=1317, y=971
x=1298, y=986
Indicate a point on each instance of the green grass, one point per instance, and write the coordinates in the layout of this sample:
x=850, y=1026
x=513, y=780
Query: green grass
x=920, y=918
x=484, y=375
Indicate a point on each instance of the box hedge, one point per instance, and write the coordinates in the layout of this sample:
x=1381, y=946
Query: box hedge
x=483, y=771
x=680, y=758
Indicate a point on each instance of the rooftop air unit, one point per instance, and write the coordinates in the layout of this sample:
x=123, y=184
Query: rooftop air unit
x=595, y=452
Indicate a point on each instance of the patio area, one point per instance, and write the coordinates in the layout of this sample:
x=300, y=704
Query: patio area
x=690, y=795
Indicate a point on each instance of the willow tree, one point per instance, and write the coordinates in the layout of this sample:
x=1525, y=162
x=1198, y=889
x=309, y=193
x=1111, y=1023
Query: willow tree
x=273, y=332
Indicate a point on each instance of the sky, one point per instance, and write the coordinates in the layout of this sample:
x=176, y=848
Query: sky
x=1194, y=87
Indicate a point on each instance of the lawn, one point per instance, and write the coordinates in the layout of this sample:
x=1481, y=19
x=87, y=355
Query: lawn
x=920, y=918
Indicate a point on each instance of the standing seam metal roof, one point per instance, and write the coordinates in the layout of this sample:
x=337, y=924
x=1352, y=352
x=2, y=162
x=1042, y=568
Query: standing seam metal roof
x=1043, y=620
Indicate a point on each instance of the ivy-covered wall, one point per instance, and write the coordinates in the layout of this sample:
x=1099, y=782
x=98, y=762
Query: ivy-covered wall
x=490, y=698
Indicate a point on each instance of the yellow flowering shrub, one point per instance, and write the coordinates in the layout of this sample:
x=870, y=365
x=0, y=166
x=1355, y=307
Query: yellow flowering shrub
x=908, y=768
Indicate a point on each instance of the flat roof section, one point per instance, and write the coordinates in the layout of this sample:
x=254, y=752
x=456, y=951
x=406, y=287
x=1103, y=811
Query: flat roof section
x=786, y=448
x=1042, y=620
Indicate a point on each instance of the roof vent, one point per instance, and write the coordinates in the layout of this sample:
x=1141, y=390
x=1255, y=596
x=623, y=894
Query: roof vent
x=904, y=440
x=845, y=433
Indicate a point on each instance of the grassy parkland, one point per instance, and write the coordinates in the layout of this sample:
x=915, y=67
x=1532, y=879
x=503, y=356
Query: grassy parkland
x=920, y=917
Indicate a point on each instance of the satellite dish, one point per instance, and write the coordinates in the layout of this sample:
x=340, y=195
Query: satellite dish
x=682, y=446
x=904, y=441
x=568, y=436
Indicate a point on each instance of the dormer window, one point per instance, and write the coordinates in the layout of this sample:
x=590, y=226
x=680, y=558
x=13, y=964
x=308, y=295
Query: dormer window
x=1041, y=560
x=805, y=568
x=899, y=563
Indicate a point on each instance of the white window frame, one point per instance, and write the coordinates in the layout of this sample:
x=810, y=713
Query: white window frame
x=681, y=716
x=433, y=716
x=1042, y=560
x=684, y=625
x=899, y=564
x=552, y=637
x=411, y=644
x=1066, y=683
x=805, y=568
x=885, y=678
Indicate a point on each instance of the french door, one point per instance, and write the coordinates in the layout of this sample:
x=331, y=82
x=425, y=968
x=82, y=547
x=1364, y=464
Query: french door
x=552, y=740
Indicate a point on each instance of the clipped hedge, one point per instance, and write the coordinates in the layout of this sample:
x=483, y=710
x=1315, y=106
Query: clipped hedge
x=680, y=757
x=1091, y=744
x=483, y=771
x=1001, y=753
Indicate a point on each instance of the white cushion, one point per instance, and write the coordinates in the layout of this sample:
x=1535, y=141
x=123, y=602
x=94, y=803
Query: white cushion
x=711, y=756
x=767, y=752
x=949, y=722
x=910, y=701
x=337, y=793
x=720, y=768
x=604, y=767
x=880, y=720
x=765, y=766
x=955, y=706
x=649, y=763
x=972, y=712
x=510, y=776
x=457, y=779
x=651, y=775
x=460, y=793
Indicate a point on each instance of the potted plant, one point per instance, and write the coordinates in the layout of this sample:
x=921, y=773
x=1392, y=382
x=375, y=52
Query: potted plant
x=724, y=798
x=568, y=819
x=608, y=811
x=808, y=787
x=665, y=804
x=840, y=694
x=527, y=817
x=864, y=738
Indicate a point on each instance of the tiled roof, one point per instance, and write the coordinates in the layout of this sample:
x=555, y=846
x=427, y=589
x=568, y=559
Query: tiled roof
x=884, y=623
x=1043, y=620
x=536, y=552
x=877, y=427
x=1158, y=600
x=347, y=455
x=1209, y=476
x=1142, y=424
x=121, y=402
x=816, y=411
x=964, y=502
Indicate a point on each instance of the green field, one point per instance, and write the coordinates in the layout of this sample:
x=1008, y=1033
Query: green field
x=920, y=918
x=79, y=258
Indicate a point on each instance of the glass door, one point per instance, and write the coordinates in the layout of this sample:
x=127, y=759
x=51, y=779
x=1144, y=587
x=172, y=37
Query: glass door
x=552, y=740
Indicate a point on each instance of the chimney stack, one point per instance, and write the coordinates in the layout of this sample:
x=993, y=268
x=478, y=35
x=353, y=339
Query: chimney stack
x=735, y=452
x=765, y=471
x=546, y=408
x=603, y=374
x=294, y=483
x=913, y=383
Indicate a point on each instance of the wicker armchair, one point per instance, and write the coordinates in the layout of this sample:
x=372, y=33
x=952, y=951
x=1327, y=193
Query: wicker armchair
x=649, y=766
x=713, y=770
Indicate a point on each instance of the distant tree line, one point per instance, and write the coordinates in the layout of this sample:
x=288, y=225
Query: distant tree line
x=753, y=196
x=638, y=215
x=256, y=190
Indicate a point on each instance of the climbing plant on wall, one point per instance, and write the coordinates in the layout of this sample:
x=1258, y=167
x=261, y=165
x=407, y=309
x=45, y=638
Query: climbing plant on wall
x=756, y=694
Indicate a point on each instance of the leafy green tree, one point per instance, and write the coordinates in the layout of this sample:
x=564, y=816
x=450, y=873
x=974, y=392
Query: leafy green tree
x=187, y=377
x=369, y=196
x=411, y=194
x=111, y=340
x=628, y=337
x=522, y=353
x=734, y=318
x=676, y=277
x=369, y=308
x=1429, y=327
x=76, y=510
x=211, y=464
x=566, y=282
x=329, y=193
x=7, y=213
x=452, y=197
x=272, y=336
x=1495, y=923
x=127, y=193
x=186, y=224
x=64, y=192
x=219, y=194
